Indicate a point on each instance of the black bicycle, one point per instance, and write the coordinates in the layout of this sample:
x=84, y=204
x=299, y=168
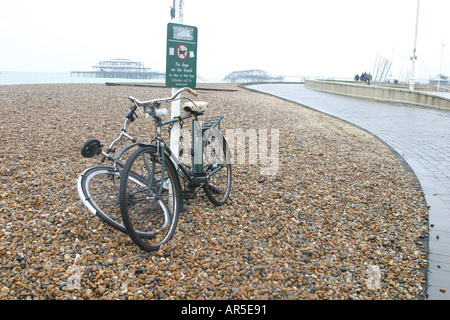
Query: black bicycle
x=151, y=195
x=144, y=196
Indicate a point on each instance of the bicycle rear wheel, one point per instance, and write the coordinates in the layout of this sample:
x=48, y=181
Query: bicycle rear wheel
x=152, y=203
x=217, y=166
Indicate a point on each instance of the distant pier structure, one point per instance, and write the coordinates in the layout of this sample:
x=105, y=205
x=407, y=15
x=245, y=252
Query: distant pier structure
x=119, y=68
x=252, y=76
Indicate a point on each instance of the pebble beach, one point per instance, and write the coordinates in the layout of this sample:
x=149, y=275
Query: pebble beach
x=341, y=218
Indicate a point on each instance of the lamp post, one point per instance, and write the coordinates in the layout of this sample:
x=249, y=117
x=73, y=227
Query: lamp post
x=414, y=57
x=440, y=68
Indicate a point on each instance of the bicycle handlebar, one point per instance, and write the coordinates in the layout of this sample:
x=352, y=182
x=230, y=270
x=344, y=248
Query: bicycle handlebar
x=162, y=100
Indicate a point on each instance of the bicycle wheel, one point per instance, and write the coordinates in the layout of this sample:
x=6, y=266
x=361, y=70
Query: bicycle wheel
x=216, y=164
x=98, y=189
x=152, y=203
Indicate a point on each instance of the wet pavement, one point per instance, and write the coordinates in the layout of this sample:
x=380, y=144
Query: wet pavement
x=421, y=136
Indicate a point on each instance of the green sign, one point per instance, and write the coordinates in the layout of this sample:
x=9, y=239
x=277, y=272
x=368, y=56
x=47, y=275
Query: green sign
x=181, y=58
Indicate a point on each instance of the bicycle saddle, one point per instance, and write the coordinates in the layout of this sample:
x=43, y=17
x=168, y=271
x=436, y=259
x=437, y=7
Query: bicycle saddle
x=197, y=107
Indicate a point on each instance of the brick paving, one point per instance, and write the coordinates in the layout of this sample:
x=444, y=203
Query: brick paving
x=420, y=135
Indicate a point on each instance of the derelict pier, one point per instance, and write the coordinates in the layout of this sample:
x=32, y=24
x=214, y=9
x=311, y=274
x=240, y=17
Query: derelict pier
x=120, y=68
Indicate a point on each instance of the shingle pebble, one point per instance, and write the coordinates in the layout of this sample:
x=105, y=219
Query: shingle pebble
x=339, y=204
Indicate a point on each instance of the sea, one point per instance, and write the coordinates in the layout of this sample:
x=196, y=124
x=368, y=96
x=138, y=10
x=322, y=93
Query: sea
x=16, y=77
x=10, y=78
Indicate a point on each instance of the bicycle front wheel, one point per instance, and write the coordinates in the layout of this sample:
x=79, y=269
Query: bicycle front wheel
x=150, y=204
x=217, y=166
x=98, y=189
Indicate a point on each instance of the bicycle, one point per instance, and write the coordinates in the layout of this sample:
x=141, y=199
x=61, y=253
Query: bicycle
x=150, y=193
x=98, y=186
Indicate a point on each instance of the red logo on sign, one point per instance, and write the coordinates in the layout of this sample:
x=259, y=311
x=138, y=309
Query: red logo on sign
x=182, y=52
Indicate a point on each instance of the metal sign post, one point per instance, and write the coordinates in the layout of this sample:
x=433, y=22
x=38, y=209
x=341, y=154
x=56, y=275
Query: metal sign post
x=177, y=11
x=181, y=64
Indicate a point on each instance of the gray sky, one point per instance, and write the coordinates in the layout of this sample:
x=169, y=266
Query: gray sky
x=288, y=37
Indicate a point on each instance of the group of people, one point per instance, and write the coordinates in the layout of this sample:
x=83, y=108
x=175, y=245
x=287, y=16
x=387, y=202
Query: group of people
x=365, y=77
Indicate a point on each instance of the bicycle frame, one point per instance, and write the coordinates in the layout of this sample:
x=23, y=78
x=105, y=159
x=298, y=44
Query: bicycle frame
x=123, y=134
x=197, y=175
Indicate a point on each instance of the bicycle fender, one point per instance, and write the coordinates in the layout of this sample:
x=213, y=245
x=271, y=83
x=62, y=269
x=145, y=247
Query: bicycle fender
x=145, y=144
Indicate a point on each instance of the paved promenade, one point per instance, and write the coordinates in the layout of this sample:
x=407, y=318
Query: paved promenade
x=421, y=136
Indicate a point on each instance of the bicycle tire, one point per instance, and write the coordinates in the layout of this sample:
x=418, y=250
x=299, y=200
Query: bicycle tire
x=98, y=189
x=141, y=209
x=215, y=154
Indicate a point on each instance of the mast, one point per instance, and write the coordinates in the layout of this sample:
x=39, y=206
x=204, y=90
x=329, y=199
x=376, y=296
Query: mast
x=414, y=57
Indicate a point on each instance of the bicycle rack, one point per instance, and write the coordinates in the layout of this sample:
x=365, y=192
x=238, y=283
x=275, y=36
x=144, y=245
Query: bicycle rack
x=212, y=123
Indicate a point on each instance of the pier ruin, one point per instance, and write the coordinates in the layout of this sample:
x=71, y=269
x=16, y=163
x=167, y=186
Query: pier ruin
x=120, y=68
